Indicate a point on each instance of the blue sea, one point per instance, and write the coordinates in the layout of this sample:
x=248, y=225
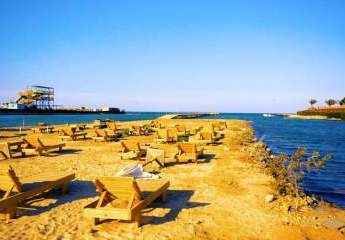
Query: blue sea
x=279, y=133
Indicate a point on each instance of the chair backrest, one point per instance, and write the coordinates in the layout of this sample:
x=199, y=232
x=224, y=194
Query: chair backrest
x=186, y=148
x=153, y=153
x=130, y=146
x=162, y=133
x=67, y=131
x=99, y=133
x=156, y=124
x=172, y=132
x=123, y=188
x=112, y=125
x=181, y=128
x=136, y=128
x=33, y=141
x=206, y=135
x=9, y=179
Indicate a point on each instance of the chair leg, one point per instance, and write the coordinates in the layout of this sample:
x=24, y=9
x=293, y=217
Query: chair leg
x=164, y=196
x=95, y=221
x=64, y=188
x=137, y=219
x=11, y=212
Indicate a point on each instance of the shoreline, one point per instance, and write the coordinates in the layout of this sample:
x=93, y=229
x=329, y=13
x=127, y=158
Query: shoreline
x=311, y=117
x=220, y=198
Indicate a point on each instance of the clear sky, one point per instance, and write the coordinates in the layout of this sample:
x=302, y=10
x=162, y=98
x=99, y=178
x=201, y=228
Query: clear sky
x=228, y=56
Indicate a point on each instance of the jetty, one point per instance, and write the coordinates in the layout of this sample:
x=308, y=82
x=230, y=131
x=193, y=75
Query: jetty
x=188, y=115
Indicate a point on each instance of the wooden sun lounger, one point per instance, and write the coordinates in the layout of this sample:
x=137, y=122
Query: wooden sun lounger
x=9, y=149
x=162, y=136
x=16, y=190
x=188, y=151
x=155, y=155
x=131, y=150
x=43, y=129
x=123, y=198
x=104, y=135
x=181, y=130
x=34, y=144
x=172, y=135
x=206, y=138
x=112, y=125
x=70, y=134
x=138, y=131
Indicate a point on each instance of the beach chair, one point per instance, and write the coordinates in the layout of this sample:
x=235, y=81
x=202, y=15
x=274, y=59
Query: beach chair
x=104, y=135
x=98, y=123
x=43, y=129
x=14, y=190
x=33, y=144
x=112, y=126
x=188, y=151
x=172, y=135
x=12, y=148
x=69, y=133
x=181, y=130
x=155, y=125
x=131, y=150
x=123, y=198
x=162, y=136
x=78, y=126
x=207, y=137
x=155, y=155
x=138, y=131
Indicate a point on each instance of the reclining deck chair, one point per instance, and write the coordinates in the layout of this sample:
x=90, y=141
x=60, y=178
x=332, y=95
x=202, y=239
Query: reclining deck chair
x=172, y=135
x=162, y=136
x=104, y=135
x=33, y=144
x=131, y=150
x=123, y=198
x=208, y=137
x=188, y=151
x=15, y=190
x=71, y=134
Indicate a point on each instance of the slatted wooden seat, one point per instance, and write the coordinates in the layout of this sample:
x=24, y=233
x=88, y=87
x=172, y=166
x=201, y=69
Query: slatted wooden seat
x=68, y=133
x=189, y=151
x=131, y=150
x=123, y=198
x=33, y=144
x=14, y=190
x=104, y=135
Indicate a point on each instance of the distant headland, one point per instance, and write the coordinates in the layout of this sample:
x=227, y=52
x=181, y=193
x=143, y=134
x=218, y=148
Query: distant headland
x=334, y=110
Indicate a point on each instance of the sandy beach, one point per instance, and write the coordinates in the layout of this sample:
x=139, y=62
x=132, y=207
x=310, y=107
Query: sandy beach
x=221, y=197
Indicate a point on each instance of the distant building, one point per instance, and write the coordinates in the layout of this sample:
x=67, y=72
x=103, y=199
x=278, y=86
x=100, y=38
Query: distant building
x=110, y=109
x=13, y=105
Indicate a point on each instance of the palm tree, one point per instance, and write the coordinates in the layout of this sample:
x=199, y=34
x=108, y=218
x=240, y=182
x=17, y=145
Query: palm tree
x=312, y=102
x=342, y=102
x=330, y=102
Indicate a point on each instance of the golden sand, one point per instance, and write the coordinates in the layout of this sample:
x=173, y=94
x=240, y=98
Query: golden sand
x=222, y=197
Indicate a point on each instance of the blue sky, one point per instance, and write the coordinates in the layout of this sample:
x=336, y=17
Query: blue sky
x=228, y=56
